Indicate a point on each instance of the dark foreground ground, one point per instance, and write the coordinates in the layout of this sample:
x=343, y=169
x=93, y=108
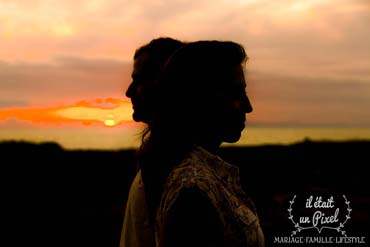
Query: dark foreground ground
x=54, y=197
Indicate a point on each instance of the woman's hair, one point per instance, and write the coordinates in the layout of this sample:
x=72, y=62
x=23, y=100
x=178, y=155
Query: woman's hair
x=188, y=93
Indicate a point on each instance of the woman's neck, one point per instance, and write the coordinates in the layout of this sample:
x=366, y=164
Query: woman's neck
x=212, y=147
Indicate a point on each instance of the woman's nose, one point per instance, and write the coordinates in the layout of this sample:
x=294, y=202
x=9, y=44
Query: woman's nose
x=247, y=106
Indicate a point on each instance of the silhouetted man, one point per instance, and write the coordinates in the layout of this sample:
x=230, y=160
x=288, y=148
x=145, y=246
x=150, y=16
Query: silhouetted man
x=149, y=61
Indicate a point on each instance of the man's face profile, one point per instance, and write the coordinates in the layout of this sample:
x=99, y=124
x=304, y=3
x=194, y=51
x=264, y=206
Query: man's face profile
x=140, y=87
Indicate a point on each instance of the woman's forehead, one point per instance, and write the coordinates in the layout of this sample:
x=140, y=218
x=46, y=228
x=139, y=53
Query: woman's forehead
x=239, y=77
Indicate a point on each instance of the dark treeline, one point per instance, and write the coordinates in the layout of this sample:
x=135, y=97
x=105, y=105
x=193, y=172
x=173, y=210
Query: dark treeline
x=77, y=198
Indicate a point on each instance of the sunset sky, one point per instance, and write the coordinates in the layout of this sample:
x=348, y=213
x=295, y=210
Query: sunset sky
x=69, y=62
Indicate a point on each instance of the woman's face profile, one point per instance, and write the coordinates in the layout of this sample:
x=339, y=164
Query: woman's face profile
x=233, y=106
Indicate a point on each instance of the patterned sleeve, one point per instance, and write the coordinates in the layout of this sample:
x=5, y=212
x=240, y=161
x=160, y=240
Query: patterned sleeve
x=192, y=220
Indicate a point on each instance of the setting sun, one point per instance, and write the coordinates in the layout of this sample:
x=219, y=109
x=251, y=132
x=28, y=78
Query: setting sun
x=110, y=122
x=86, y=112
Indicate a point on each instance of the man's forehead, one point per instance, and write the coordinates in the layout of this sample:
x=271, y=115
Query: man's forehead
x=141, y=60
x=141, y=64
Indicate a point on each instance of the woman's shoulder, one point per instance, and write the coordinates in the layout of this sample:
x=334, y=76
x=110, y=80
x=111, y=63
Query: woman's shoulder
x=191, y=171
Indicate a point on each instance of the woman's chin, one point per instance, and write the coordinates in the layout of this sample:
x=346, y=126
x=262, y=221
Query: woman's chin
x=232, y=138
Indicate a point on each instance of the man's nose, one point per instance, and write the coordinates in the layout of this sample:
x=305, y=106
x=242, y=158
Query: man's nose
x=130, y=90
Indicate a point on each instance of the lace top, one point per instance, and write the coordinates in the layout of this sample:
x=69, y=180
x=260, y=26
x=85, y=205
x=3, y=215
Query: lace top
x=219, y=181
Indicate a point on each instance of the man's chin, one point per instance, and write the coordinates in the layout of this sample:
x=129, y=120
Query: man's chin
x=136, y=117
x=139, y=117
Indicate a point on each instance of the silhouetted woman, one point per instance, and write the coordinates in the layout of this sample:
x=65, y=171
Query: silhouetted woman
x=194, y=197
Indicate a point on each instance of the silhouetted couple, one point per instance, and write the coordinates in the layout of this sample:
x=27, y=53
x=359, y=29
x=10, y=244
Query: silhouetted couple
x=192, y=98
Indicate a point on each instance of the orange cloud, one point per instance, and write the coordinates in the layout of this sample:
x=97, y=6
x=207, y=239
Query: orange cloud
x=108, y=112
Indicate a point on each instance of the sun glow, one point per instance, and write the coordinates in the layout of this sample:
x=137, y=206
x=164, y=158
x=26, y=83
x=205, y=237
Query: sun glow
x=85, y=112
x=109, y=123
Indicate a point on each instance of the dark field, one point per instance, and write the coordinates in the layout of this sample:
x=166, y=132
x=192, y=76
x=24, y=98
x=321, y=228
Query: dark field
x=54, y=197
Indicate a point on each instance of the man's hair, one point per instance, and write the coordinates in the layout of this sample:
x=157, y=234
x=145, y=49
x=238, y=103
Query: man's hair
x=150, y=60
x=159, y=50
